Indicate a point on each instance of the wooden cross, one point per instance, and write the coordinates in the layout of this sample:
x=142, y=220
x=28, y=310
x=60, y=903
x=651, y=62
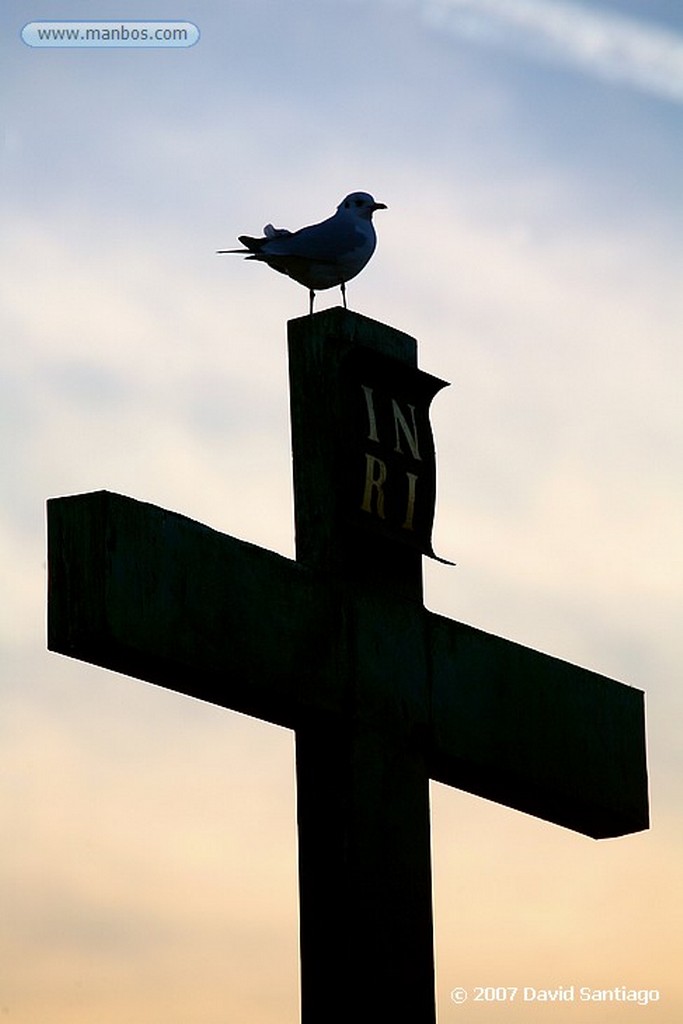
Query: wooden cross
x=383, y=695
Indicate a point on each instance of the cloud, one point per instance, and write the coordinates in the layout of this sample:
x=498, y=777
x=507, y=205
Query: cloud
x=603, y=44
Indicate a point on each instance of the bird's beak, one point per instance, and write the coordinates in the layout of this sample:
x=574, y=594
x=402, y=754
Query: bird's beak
x=379, y=206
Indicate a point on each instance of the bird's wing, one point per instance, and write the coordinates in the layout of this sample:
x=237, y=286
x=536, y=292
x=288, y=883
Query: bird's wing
x=325, y=242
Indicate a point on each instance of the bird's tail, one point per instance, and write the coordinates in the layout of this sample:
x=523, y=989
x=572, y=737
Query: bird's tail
x=254, y=245
x=251, y=245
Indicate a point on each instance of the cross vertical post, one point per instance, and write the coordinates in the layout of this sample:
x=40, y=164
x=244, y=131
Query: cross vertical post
x=362, y=780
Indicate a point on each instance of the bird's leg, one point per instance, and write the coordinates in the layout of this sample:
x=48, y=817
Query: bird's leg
x=343, y=291
x=311, y=296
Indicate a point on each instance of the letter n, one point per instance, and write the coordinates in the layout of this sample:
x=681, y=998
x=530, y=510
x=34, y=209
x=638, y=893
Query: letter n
x=410, y=434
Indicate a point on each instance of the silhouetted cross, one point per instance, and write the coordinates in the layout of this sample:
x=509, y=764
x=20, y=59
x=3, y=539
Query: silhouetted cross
x=383, y=695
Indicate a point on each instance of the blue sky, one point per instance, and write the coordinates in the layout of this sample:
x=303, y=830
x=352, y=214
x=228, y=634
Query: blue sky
x=529, y=154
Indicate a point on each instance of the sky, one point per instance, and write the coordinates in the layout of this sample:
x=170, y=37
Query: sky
x=529, y=154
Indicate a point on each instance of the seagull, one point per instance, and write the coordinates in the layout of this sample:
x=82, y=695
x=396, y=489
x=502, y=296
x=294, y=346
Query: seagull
x=322, y=255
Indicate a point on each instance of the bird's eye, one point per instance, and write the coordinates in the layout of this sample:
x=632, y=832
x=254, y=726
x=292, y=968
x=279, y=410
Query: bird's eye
x=358, y=202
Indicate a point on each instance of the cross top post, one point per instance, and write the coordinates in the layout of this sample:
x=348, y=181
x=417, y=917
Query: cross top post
x=382, y=694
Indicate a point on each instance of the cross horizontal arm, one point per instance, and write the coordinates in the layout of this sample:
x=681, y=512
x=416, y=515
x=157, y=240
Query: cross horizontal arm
x=157, y=596
x=535, y=733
